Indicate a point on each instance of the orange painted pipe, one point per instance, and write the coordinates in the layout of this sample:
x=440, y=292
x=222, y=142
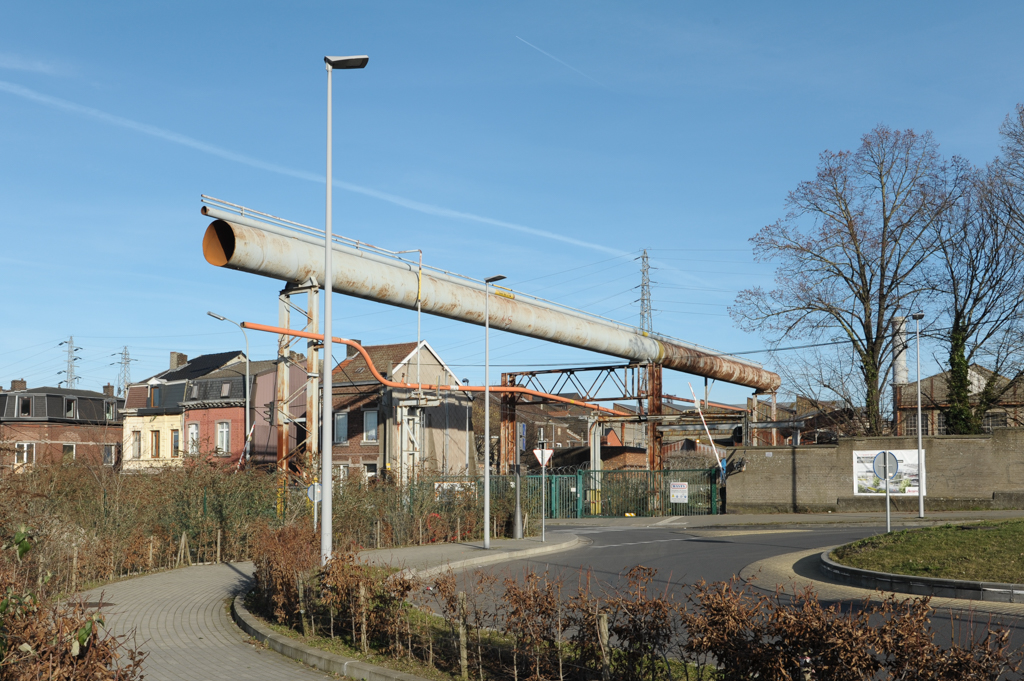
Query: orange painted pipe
x=425, y=386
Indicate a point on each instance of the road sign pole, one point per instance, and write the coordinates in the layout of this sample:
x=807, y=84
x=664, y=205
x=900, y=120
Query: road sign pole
x=888, y=518
x=543, y=500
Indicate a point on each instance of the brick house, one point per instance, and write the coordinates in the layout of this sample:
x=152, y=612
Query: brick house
x=214, y=410
x=379, y=428
x=51, y=425
x=1007, y=412
x=154, y=411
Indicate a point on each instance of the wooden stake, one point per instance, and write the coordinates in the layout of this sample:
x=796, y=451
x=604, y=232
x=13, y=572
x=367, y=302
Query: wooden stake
x=74, y=571
x=362, y=612
x=151, y=538
x=463, y=654
x=218, y=545
x=458, y=530
x=602, y=637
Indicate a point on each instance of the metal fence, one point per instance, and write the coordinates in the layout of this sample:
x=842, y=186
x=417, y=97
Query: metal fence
x=589, y=494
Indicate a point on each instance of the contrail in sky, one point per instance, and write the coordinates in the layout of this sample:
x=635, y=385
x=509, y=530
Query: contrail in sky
x=548, y=54
x=184, y=140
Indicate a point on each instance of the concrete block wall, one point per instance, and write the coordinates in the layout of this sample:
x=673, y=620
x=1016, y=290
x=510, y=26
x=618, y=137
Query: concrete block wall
x=984, y=471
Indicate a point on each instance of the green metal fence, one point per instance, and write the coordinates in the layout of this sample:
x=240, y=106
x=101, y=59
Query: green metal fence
x=588, y=494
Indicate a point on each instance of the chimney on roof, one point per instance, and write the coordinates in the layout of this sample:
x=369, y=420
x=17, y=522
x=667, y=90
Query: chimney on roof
x=108, y=390
x=351, y=350
x=178, y=359
x=19, y=384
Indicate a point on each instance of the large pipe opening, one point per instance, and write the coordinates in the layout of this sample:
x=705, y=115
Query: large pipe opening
x=219, y=243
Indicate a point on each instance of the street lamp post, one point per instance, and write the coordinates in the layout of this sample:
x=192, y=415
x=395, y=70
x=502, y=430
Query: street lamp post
x=920, y=451
x=487, y=408
x=245, y=446
x=327, y=429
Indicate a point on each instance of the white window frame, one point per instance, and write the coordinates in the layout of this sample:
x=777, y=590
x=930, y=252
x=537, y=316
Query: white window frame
x=376, y=426
x=110, y=410
x=222, y=431
x=136, y=444
x=113, y=454
x=21, y=453
x=342, y=439
x=192, y=437
x=23, y=400
x=73, y=450
x=73, y=404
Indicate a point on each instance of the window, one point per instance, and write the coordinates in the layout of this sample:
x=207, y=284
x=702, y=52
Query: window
x=108, y=455
x=911, y=423
x=369, y=426
x=941, y=427
x=370, y=469
x=155, y=397
x=223, y=438
x=154, y=444
x=24, y=406
x=175, y=443
x=193, y=438
x=68, y=453
x=136, y=444
x=341, y=428
x=993, y=419
x=110, y=410
x=70, y=405
x=25, y=453
x=225, y=389
x=340, y=473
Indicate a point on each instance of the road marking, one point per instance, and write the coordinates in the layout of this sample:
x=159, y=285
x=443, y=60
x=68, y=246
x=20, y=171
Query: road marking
x=635, y=543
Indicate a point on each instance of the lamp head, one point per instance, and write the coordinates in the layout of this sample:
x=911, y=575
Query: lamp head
x=465, y=381
x=497, y=277
x=217, y=316
x=356, y=62
x=918, y=316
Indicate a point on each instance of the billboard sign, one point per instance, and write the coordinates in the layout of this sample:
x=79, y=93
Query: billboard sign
x=904, y=482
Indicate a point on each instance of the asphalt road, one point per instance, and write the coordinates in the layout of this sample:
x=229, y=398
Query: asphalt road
x=684, y=556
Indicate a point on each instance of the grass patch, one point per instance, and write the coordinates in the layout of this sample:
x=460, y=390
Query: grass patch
x=985, y=551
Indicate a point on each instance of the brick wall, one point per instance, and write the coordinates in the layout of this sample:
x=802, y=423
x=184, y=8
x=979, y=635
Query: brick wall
x=208, y=419
x=962, y=472
x=50, y=438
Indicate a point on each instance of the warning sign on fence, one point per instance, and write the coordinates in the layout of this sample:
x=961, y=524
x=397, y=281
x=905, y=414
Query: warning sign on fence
x=679, y=493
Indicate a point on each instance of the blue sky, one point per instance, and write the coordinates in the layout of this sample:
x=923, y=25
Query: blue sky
x=603, y=128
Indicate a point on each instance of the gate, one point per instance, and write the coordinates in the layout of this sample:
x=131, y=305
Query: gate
x=609, y=494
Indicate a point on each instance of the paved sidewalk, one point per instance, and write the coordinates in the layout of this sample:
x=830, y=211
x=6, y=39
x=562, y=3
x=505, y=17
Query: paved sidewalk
x=435, y=557
x=180, y=619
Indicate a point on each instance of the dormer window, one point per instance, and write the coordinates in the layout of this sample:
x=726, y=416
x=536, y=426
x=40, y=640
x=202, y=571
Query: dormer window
x=70, y=407
x=195, y=392
x=155, y=397
x=225, y=389
x=24, y=406
x=110, y=410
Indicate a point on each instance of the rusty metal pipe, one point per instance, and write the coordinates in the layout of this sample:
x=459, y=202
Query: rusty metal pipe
x=248, y=245
x=425, y=386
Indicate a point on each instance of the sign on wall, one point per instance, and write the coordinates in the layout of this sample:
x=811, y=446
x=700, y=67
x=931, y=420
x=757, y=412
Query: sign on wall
x=679, y=492
x=905, y=482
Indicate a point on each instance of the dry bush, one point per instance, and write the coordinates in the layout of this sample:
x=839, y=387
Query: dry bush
x=283, y=559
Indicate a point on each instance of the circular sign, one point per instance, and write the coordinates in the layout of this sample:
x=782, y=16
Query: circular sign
x=878, y=465
x=314, y=492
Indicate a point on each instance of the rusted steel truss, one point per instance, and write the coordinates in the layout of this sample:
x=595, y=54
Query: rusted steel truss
x=587, y=382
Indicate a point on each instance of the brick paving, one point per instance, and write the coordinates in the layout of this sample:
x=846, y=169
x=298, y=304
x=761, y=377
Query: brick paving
x=180, y=619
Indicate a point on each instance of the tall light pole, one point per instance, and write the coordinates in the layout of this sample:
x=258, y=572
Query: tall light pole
x=327, y=429
x=920, y=451
x=487, y=408
x=247, y=403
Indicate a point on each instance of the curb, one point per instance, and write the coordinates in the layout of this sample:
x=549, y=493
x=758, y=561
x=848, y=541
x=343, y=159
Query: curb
x=324, y=661
x=920, y=586
x=499, y=557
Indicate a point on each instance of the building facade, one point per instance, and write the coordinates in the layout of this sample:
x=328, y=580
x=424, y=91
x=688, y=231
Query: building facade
x=53, y=425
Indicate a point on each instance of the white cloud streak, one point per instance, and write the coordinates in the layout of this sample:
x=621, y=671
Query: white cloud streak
x=192, y=143
x=15, y=62
x=568, y=66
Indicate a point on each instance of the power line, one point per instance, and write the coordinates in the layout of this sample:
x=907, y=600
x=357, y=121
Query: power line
x=69, y=372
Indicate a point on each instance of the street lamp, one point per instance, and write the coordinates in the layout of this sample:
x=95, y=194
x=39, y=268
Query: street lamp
x=487, y=408
x=327, y=443
x=246, y=336
x=917, y=317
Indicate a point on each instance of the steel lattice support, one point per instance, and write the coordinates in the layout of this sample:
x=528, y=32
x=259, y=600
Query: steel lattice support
x=285, y=396
x=507, y=441
x=655, y=460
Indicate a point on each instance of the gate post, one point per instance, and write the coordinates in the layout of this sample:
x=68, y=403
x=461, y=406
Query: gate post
x=714, y=492
x=579, y=494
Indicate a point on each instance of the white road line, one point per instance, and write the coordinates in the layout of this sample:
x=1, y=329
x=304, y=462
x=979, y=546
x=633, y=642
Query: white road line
x=635, y=543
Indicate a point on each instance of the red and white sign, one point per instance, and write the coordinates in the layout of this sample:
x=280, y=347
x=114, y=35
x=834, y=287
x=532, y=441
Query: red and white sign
x=543, y=455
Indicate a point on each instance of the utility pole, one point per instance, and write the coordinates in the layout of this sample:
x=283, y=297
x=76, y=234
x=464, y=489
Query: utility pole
x=124, y=374
x=69, y=373
x=646, y=325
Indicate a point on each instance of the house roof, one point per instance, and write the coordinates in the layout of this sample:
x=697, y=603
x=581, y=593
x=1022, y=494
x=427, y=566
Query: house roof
x=354, y=370
x=199, y=366
x=934, y=389
x=68, y=392
x=236, y=369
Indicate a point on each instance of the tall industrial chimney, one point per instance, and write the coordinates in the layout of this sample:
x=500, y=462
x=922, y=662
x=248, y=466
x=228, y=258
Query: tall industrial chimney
x=899, y=349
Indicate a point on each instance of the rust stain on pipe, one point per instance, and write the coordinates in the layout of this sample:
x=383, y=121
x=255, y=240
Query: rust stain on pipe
x=426, y=386
x=372, y=277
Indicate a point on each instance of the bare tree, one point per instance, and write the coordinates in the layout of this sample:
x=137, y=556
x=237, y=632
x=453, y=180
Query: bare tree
x=852, y=252
x=980, y=293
